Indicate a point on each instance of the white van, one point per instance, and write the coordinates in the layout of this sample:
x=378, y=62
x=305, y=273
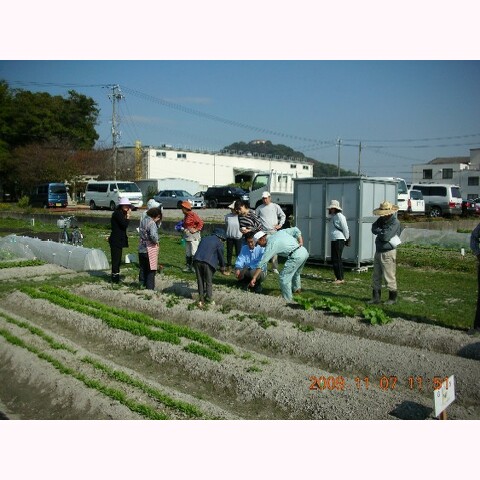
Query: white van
x=440, y=198
x=403, y=196
x=105, y=194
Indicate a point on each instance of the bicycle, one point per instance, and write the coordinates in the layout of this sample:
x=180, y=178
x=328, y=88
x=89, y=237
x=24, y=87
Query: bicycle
x=73, y=238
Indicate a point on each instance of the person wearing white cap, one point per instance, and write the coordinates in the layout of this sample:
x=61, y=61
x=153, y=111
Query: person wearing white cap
x=118, y=237
x=286, y=243
x=385, y=259
x=272, y=218
x=233, y=234
x=339, y=233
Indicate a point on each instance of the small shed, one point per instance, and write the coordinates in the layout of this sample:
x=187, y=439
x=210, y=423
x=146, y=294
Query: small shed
x=358, y=197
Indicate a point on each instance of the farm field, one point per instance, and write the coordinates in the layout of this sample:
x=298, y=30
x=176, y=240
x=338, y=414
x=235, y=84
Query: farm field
x=73, y=346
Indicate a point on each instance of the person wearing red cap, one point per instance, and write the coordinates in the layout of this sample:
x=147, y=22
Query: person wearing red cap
x=192, y=226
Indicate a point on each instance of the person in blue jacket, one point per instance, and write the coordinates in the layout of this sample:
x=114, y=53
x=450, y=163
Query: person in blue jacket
x=207, y=259
x=247, y=262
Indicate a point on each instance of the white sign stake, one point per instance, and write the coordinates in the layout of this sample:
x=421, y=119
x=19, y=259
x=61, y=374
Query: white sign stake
x=443, y=397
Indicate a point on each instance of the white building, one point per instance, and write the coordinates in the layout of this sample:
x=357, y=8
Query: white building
x=209, y=168
x=461, y=171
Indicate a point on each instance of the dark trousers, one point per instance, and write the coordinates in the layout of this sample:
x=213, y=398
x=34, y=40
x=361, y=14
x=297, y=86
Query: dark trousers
x=147, y=275
x=336, y=254
x=476, y=323
x=116, y=254
x=233, y=242
x=246, y=275
x=204, y=273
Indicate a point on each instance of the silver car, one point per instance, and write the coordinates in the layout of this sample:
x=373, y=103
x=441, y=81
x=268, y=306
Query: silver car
x=171, y=198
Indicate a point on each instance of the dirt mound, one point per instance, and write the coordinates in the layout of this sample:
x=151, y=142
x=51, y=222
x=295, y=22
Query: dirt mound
x=249, y=356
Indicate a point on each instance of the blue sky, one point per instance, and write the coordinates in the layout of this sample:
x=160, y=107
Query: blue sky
x=403, y=112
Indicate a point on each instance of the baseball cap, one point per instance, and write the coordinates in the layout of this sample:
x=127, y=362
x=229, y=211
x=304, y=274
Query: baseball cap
x=265, y=194
x=258, y=236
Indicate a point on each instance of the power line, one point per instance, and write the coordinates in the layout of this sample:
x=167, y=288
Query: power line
x=216, y=118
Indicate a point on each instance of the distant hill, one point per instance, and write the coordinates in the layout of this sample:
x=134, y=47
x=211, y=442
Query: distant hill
x=268, y=148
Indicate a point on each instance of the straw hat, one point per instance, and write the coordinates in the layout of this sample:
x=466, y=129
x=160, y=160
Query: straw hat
x=335, y=204
x=386, y=208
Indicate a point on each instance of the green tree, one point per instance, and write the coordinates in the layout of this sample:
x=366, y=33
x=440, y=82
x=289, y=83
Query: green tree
x=320, y=169
x=40, y=135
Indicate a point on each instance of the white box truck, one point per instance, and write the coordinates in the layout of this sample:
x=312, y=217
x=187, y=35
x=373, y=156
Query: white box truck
x=278, y=184
x=358, y=197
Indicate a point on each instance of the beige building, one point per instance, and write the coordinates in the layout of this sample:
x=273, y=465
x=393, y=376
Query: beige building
x=461, y=171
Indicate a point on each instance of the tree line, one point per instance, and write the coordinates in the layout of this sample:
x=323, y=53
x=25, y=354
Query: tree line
x=320, y=169
x=46, y=138
x=50, y=138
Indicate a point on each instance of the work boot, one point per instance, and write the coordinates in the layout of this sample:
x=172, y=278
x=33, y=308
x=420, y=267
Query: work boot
x=376, y=295
x=392, y=297
x=115, y=278
x=188, y=265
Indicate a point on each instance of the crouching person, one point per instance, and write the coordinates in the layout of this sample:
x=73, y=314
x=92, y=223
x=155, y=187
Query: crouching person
x=247, y=262
x=207, y=259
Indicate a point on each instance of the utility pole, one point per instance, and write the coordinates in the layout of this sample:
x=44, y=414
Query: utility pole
x=115, y=96
x=359, y=153
x=338, y=156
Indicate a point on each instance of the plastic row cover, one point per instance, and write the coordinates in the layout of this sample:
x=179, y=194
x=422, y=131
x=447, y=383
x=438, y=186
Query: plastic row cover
x=75, y=258
x=442, y=238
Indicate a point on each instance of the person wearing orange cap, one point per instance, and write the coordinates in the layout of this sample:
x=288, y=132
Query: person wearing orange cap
x=192, y=226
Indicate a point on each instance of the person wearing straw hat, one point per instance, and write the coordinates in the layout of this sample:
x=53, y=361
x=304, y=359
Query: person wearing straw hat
x=192, y=226
x=339, y=234
x=118, y=237
x=387, y=229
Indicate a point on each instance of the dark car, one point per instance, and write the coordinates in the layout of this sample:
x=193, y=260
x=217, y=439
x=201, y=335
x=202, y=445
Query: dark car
x=471, y=207
x=223, y=196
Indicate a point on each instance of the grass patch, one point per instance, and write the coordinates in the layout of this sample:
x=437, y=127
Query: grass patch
x=22, y=263
x=430, y=278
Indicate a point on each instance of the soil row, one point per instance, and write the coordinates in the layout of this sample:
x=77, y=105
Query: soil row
x=342, y=369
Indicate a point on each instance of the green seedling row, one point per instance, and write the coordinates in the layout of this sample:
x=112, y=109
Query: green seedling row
x=133, y=322
x=143, y=410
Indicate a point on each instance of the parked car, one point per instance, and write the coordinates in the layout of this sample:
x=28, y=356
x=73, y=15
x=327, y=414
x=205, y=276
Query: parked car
x=49, y=195
x=171, y=198
x=200, y=196
x=468, y=207
x=107, y=194
x=415, y=203
x=224, y=196
x=440, y=199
